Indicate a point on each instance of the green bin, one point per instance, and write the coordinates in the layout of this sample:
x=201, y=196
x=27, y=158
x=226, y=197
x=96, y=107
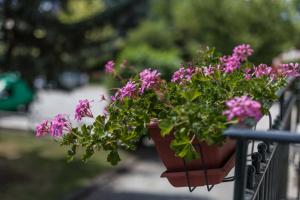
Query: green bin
x=15, y=94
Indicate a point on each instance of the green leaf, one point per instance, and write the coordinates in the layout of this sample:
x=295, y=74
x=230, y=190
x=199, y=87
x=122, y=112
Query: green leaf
x=191, y=94
x=183, y=148
x=84, y=129
x=165, y=126
x=195, y=94
x=113, y=157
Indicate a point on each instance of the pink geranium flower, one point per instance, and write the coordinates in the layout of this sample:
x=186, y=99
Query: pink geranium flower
x=291, y=69
x=178, y=76
x=230, y=63
x=42, y=128
x=109, y=66
x=183, y=74
x=149, y=79
x=248, y=74
x=208, y=70
x=242, y=51
x=262, y=70
x=243, y=107
x=59, y=125
x=128, y=90
x=83, y=109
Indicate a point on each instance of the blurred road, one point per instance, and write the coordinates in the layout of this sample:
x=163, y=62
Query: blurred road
x=49, y=103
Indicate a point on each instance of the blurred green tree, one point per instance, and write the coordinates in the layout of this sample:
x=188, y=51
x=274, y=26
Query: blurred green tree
x=185, y=26
x=49, y=36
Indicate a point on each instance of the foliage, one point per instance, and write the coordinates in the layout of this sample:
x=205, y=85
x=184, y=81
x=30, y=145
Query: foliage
x=156, y=34
x=194, y=105
x=79, y=10
x=46, y=37
x=142, y=56
x=269, y=27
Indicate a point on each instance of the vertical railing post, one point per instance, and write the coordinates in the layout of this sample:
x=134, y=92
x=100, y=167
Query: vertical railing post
x=296, y=92
x=281, y=106
x=298, y=108
x=240, y=169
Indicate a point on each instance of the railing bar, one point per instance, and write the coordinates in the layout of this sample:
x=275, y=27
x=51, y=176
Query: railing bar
x=262, y=189
x=278, y=171
x=272, y=177
x=266, y=185
x=298, y=109
x=272, y=180
x=240, y=170
x=286, y=163
x=263, y=174
x=269, y=181
x=281, y=106
x=273, y=136
x=270, y=120
x=252, y=146
x=276, y=177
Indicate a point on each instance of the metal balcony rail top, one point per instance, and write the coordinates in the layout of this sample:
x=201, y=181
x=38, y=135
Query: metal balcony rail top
x=272, y=136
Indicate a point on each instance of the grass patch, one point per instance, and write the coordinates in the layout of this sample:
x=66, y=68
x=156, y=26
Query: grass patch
x=35, y=168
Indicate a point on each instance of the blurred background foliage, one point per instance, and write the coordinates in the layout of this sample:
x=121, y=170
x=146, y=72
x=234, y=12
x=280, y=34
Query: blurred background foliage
x=45, y=37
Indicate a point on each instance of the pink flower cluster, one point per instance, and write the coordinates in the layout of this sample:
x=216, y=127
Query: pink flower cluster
x=230, y=63
x=233, y=62
x=127, y=91
x=283, y=70
x=149, y=79
x=208, y=70
x=42, y=128
x=56, y=127
x=109, y=66
x=182, y=75
x=248, y=74
x=243, y=107
x=179, y=75
x=262, y=70
x=291, y=69
x=242, y=51
x=83, y=109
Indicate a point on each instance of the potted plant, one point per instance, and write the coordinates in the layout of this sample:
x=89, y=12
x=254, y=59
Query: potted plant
x=185, y=117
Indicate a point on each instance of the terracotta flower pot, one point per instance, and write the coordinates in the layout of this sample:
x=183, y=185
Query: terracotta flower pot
x=219, y=160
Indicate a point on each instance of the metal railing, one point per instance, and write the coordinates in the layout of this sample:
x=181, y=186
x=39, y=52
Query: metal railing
x=263, y=174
